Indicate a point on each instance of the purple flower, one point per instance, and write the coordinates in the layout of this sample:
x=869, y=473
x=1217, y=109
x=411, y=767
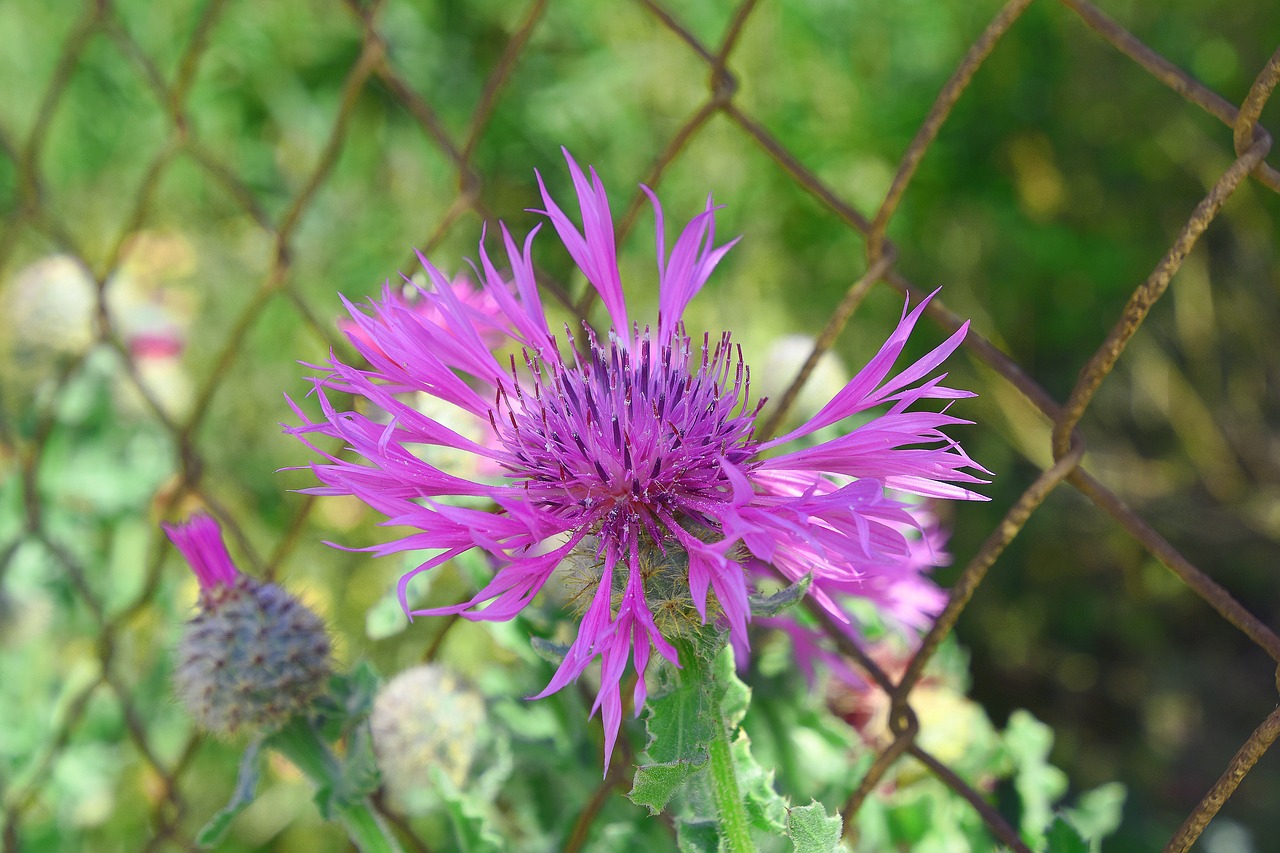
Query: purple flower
x=905, y=599
x=479, y=304
x=200, y=541
x=635, y=444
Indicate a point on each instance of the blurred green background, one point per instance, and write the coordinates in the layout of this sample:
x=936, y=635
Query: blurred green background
x=220, y=171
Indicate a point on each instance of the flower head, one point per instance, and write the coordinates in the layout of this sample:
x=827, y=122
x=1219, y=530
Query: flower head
x=480, y=306
x=631, y=443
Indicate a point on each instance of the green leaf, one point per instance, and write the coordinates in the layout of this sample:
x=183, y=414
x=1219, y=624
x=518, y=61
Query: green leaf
x=360, y=776
x=1098, y=812
x=733, y=696
x=681, y=715
x=681, y=720
x=766, y=810
x=471, y=827
x=784, y=599
x=812, y=830
x=301, y=741
x=1062, y=837
x=698, y=836
x=385, y=618
x=245, y=791
x=347, y=702
x=656, y=784
x=693, y=711
x=551, y=652
x=357, y=690
x=1038, y=783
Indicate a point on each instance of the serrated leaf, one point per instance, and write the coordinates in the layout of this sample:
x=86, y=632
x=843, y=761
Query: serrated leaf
x=655, y=784
x=1062, y=837
x=782, y=600
x=681, y=720
x=698, y=836
x=694, y=705
x=766, y=809
x=812, y=830
x=245, y=791
x=734, y=696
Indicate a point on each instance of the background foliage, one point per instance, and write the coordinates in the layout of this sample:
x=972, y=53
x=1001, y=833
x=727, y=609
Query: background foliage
x=218, y=171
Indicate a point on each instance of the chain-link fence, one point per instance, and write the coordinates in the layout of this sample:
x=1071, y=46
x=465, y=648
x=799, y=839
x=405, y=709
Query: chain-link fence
x=163, y=57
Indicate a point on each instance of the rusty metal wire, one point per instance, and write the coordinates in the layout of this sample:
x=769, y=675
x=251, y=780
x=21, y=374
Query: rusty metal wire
x=1250, y=145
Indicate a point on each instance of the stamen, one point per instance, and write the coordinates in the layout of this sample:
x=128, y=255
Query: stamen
x=659, y=458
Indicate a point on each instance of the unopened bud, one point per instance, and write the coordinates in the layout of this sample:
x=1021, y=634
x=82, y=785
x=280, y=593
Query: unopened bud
x=254, y=656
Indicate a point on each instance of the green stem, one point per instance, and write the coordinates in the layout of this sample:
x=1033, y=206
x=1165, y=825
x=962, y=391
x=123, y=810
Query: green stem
x=728, y=799
x=299, y=742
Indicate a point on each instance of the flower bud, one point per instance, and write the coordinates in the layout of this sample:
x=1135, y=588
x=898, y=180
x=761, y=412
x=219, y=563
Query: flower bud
x=254, y=656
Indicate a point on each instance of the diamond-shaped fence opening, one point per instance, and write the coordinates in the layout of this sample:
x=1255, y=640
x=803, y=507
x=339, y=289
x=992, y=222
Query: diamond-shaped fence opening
x=185, y=187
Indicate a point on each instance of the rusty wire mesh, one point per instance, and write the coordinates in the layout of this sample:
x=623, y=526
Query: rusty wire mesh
x=278, y=284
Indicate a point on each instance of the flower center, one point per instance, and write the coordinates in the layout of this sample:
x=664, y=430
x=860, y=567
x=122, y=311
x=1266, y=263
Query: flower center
x=621, y=441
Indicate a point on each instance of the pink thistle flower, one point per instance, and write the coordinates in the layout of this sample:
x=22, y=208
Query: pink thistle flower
x=479, y=305
x=640, y=444
x=904, y=597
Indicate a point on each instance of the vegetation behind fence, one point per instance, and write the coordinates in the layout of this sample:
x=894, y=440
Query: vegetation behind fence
x=186, y=187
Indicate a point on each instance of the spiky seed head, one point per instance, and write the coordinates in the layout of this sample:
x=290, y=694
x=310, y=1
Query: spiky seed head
x=252, y=658
x=425, y=717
